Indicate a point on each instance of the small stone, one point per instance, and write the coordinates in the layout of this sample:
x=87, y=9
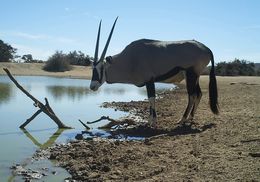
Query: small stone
x=44, y=174
x=147, y=142
x=114, y=176
x=52, y=157
x=94, y=175
x=118, y=172
x=117, y=142
x=106, y=168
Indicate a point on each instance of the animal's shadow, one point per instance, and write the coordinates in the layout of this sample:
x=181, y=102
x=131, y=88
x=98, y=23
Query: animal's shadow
x=144, y=131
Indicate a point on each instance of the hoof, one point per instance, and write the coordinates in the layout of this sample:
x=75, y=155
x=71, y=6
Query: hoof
x=182, y=121
x=152, y=122
x=186, y=122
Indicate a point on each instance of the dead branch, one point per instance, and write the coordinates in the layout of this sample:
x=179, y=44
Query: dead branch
x=31, y=118
x=112, y=123
x=117, y=124
x=43, y=108
x=100, y=119
x=87, y=128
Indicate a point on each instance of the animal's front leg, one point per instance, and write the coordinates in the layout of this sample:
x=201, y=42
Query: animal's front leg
x=151, y=97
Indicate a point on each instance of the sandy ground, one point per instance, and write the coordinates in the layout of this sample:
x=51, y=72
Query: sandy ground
x=216, y=148
x=33, y=69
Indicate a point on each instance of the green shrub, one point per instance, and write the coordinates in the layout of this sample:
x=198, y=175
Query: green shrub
x=235, y=68
x=79, y=58
x=58, y=62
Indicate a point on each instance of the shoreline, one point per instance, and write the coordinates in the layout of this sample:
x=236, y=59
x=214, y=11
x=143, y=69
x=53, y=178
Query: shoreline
x=220, y=148
x=225, y=147
x=35, y=69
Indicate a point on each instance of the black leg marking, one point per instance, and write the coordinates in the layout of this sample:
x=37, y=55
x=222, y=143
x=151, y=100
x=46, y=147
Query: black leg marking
x=191, y=82
x=151, y=97
x=197, y=100
x=150, y=87
x=152, y=112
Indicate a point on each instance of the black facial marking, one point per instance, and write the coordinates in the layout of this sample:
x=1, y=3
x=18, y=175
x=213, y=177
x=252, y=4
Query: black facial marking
x=101, y=74
x=96, y=76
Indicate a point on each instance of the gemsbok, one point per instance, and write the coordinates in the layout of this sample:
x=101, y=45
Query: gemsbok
x=144, y=62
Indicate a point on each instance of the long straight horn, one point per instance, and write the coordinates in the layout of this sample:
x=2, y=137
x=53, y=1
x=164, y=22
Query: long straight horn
x=108, y=40
x=97, y=43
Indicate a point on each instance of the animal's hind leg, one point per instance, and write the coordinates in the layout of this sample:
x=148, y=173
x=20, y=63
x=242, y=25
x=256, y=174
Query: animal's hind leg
x=151, y=97
x=191, y=82
x=197, y=101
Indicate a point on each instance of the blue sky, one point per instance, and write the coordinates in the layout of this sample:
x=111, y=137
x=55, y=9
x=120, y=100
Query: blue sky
x=230, y=28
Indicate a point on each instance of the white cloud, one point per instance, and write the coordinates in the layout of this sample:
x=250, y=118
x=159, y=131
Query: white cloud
x=30, y=36
x=43, y=37
x=37, y=53
x=65, y=40
x=41, y=46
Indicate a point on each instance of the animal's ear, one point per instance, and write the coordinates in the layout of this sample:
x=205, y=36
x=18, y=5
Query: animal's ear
x=109, y=59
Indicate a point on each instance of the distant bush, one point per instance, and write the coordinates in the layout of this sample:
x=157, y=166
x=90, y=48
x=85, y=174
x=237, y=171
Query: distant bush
x=236, y=68
x=257, y=69
x=258, y=72
x=58, y=62
x=29, y=59
x=78, y=58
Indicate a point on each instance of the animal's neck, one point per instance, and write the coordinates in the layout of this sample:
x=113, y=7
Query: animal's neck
x=114, y=73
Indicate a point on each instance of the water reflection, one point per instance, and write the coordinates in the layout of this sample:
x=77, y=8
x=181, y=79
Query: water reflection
x=48, y=143
x=71, y=100
x=118, y=91
x=6, y=92
x=31, y=167
x=71, y=92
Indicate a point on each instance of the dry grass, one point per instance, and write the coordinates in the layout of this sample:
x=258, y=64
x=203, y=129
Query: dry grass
x=35, y=69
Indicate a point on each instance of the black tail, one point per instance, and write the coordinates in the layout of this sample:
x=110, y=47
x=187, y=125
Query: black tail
x=213, y=90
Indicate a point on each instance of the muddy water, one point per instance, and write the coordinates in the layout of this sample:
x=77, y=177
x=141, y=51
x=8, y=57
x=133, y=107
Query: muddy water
x=71, y=99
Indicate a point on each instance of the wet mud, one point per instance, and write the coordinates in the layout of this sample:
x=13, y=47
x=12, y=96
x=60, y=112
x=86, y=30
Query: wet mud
x=212, y=148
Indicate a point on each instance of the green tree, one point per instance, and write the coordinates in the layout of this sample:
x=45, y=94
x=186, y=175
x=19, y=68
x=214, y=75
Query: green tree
x=58, y=62
x=78, y=58
x=235, y=68
x=27, y=58
x=258, y=72
x=7, y=52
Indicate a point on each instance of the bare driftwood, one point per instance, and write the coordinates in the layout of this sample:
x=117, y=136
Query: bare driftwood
x=42, y=108
x=87, y=128
x=112, y=123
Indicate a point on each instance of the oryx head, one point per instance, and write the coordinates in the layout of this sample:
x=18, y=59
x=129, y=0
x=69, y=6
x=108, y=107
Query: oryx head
x=98, y=66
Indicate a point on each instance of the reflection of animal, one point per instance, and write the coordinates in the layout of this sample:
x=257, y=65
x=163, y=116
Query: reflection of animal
x=144, y=62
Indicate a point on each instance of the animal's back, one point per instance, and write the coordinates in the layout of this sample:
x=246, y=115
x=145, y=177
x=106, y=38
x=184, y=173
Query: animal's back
x=182, y=52
x=146, y=59
x=162, y=56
